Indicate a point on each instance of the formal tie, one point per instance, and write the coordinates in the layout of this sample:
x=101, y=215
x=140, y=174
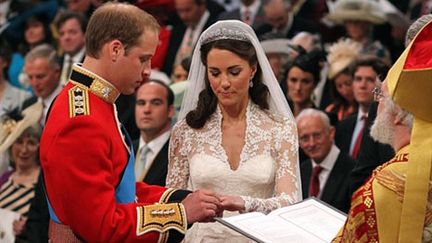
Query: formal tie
x=357, y=143
x=67, y=71
x=247, y=17
x=314, y=185
x=142, y=161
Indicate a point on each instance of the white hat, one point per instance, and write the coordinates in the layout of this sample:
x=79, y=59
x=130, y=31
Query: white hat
x=277, y=46
x=160, y=76
x=11, y=130
x=340, y=55
x=361, y=10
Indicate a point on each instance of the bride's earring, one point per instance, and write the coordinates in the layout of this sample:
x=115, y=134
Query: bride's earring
x=251, y=83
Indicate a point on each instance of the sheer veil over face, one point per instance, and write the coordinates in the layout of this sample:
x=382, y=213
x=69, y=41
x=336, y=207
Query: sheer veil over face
x=236, y=30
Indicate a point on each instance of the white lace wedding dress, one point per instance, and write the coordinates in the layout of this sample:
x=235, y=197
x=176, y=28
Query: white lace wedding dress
x=267, y=177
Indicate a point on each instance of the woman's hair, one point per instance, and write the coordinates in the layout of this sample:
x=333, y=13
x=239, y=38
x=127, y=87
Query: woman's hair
x=307, y=62
x=34, y=131
x=24, y=47
x=337, y=97
x=207, y=100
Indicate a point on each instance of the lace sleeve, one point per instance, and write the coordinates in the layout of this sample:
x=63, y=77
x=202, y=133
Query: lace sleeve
x=178, y=166
x=287, y=181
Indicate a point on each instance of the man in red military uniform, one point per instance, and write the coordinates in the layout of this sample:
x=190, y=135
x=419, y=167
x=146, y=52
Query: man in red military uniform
x=86, y=156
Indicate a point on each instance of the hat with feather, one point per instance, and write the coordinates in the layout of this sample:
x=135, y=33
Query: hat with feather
x=340, y=55
x=14, y=124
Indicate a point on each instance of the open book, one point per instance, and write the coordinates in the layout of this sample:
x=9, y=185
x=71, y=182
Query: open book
x=310, y=220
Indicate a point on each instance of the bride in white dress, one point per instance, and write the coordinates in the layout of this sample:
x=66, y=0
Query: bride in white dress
x=236, y=134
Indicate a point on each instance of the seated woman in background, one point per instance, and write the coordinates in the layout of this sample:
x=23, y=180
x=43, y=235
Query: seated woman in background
x=300, y=79
x=236, y=134
x=341, y=55
x=20, y=137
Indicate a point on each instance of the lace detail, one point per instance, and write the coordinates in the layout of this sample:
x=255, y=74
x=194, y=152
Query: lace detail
x=268, y=175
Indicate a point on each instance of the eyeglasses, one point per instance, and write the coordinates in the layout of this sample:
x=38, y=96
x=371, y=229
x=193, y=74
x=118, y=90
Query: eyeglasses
x=377, y=93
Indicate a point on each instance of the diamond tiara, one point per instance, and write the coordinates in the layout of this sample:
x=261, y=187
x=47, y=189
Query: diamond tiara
x=224, y=34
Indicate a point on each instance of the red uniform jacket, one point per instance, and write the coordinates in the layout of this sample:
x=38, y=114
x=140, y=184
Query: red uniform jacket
x=83, y=155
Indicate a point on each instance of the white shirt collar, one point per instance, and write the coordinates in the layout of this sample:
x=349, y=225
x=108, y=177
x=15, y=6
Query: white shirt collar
x=77, y=58
x=360, y=114
x=330, y=160
x=156, y=144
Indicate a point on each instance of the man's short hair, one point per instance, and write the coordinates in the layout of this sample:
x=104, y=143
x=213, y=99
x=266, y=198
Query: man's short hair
x=67, y=15
x=170, y=93
x=374, y=62
x=308, y=112
x=121, y=21
x=44, y=51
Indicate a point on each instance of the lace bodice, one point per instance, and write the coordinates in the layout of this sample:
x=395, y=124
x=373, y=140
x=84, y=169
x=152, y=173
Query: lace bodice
x=268, y=174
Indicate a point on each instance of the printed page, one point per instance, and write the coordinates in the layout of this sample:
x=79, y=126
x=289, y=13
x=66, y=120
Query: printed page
x=7, y=218
x=262, y=228
x=314, y=217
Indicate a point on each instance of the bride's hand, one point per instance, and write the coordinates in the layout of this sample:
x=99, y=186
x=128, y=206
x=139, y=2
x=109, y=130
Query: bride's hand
x=232, y=203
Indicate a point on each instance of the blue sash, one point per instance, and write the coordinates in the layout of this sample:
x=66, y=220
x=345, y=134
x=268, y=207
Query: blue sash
x=126, y=190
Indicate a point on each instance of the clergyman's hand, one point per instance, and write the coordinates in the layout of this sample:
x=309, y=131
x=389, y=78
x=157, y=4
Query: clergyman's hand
x=202, y=206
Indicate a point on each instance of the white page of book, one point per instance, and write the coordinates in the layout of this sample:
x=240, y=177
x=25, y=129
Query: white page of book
x=306, y=221
x=271, y=229
x=313, y=217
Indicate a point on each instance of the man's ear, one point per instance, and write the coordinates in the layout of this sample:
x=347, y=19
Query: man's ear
x=171, y=111
x=398, y=119
x=332, y=132
x=115, y=48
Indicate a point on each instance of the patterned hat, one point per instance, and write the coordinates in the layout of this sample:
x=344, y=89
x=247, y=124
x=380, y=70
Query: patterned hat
x=11, y=129
x=341, y=55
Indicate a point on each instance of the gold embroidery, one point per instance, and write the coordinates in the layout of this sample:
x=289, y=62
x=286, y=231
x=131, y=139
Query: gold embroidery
x=78, y=102
x=161, y=218
x=99, y=86
x=166, y=195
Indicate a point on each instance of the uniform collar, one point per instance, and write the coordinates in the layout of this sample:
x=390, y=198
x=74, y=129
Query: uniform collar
x=97, y=85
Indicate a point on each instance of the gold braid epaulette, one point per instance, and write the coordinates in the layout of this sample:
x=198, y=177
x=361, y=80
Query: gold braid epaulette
x=162, y=217
x=78, y=101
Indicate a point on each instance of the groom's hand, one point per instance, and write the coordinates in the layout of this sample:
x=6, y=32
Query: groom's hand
x=202, y=206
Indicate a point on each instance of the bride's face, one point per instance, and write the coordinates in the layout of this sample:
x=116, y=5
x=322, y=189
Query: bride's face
x=229, y=77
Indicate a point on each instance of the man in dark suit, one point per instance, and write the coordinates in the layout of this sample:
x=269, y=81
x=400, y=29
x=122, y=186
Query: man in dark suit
x=366, y=71
x=71, y=28
x=195, y=18
x=282, y=21
x=326, y=174
x=250, y=11
x=154, y=110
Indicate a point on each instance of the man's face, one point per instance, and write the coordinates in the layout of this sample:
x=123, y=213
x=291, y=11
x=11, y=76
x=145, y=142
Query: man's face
x=315, y=138
x=133, y=67
x=383, y=127
x=72, y=38
x=44, y=79
x=189, y=12
x=277, y=15
x=152, y=113
x=363, y=83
